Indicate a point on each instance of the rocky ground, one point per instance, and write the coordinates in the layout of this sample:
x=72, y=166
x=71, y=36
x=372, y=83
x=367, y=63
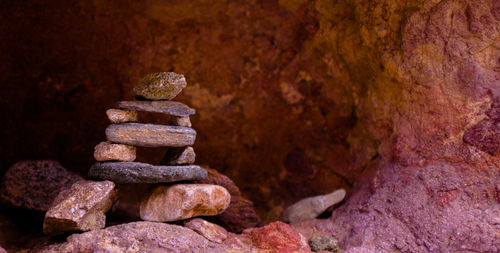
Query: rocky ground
x=396, y=101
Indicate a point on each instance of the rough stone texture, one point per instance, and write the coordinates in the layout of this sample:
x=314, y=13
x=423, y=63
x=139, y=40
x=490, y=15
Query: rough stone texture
x=107, y=151
x=173, y=108
x=135, y=172
x=383, y=89
x=277, y=237
x=322, y=242
x=150, y=135
x=138, y=237
x=241, y=213
x=312, y=207
x=121, y=116
x=80, y=208
x=35, y=184
x=179, y=156
x=161, y=85
x=212, y=232
x=183, y=201
x=181, y=121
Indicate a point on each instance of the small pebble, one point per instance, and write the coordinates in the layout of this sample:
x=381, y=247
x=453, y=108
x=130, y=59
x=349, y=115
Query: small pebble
x=107, y=151
x=121, y=116
x=161, y=85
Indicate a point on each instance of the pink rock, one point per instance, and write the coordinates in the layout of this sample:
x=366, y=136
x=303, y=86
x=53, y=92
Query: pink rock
x=212, y=232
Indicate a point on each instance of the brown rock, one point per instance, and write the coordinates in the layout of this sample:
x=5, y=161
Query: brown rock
x=121, y=116
x=107, y=151
x=35, y=184
x=179, y=156
x=212, y=232
x=312, y=207
x=181, y=121
x=150, y=135
x=183, y=201
x=241, y=213
x=80, y=208
x=166, y=107
x=161, y=85
x=138, y=237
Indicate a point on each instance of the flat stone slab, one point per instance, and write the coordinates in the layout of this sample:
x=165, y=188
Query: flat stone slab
x=166, y=107
x=135, y=172
x=150, y=135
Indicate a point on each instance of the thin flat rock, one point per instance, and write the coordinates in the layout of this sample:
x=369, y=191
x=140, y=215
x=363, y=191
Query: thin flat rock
x=135, y=172
x=166, y=107
x=150, y=135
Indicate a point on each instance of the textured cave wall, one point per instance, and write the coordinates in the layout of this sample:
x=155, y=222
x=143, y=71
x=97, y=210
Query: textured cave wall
x=293, y=98
x=274, y=104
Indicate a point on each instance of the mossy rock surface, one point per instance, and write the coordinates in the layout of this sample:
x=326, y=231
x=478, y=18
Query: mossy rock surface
x=160, y=86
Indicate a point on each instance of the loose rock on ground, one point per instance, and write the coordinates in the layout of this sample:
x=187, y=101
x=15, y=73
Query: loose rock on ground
x=80, y=208
x=312, y=207
x=35, y=184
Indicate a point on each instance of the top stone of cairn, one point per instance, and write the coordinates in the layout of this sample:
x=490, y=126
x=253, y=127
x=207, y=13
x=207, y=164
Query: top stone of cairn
x=160, y=86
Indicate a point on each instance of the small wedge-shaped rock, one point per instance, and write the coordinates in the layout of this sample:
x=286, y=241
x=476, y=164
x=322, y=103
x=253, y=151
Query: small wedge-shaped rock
x=121, y=116
x=150, y=135
x=166, y=107
x=161, y=85
x=183, y=201
x=310, y=208
x=181, y=121
x=80, y=208
x=107, y=151
x=134, y=172
x=179, y=156
x=212, y=232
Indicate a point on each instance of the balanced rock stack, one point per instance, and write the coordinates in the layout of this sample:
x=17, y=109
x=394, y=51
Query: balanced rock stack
x=115, y=157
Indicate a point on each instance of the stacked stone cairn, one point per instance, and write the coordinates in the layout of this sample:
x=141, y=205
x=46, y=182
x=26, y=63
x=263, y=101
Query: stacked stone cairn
x=116, y=164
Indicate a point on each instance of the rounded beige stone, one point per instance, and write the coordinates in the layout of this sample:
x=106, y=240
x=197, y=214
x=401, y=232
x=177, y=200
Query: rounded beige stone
x=121, y=116
x=183, y=201
x=107, y=151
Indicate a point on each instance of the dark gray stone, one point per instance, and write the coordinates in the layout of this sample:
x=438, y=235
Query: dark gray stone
x=134, y=172
x=150, y=135
x=166, y=107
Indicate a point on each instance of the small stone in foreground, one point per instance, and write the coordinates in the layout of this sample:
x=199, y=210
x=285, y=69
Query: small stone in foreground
x=179, y=156
x=181, y=121
x=324, y=243
x=107, y=151
x=80, y=208
x=173, y=108
x=310, y=208
x=183, y=201
x=212, y=232
x=134, y=172
x=150, y=135
x=35, y=184
x=121, y=116
x=161, y=85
